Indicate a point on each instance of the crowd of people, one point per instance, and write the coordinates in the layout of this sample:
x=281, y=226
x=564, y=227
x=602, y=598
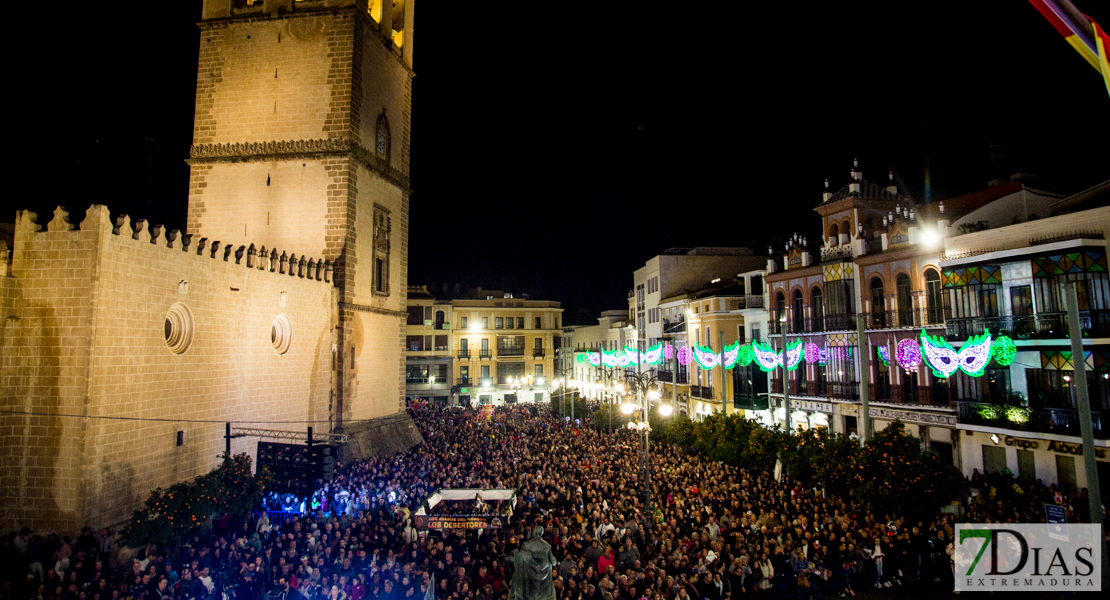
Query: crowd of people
x=707, y=531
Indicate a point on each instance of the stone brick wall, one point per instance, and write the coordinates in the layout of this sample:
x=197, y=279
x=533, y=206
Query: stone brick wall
x=83, y=334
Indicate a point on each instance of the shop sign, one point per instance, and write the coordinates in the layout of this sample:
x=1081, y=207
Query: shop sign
x=1053, y=446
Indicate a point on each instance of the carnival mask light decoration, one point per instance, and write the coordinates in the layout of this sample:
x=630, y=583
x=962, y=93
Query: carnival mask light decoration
x=972, y=358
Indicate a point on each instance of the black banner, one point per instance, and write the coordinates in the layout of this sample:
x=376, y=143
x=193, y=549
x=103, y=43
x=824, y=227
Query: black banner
x=458, y=521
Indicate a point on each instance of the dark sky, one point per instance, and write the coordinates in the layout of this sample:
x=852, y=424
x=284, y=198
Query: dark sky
x=556, y=151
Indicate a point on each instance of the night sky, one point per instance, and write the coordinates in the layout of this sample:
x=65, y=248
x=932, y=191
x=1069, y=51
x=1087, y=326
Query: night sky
x=554, y=152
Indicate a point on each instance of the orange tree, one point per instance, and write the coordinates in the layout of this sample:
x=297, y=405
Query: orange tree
x=169, y=515
x=894, y=473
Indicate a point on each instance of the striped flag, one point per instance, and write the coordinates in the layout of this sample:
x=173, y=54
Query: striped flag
x=1080, y=31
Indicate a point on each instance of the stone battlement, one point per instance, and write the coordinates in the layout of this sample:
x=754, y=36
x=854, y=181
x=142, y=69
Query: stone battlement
x=261, y=259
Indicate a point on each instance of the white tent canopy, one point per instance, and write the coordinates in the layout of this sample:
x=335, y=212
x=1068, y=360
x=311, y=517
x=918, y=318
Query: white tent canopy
x=469, y=494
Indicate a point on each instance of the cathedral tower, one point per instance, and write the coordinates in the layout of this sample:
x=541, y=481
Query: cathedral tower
x=301, y=141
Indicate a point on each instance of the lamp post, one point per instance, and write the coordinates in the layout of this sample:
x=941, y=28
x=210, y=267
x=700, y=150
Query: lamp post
x=785, y=374
x=644, y=427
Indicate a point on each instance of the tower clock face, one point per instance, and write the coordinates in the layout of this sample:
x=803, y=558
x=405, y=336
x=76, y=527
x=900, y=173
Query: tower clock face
x=381, y=144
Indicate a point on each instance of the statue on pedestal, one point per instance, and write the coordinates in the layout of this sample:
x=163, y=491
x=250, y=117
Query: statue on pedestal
x=532, y=564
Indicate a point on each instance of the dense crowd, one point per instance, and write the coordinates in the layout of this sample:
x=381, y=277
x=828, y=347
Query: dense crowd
x=709, y=532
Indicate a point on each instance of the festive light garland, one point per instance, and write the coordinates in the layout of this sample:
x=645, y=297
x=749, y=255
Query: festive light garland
x=944, y=360
x=705, y=357
x=767, y=359
x=813, y=353
x=884, y=355
x=1004, y=351
x=668, y=352
x=908, y=354
x=685, y=357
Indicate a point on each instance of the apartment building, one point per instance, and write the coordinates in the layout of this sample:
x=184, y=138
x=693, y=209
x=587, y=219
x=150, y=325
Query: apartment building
x=993, y=261
x=483, y=347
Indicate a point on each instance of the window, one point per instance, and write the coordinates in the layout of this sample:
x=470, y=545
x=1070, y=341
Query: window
x=441, y=343
x=415, y=315
x=816, y=310
x=462, y=322
x=539, y=372
x=776, y=318
x=506, y=370
x=464, y=345
x=1021, y=301
x=519, y=323
x=755, y=334
x=464, y=375
x=383, y=225
x=1093, y=290
x=799, y=312
x=740, y=334
x=757, y=285
x=485, y=322
x=485, y=372
x=510, y=345
x=508, y=322
x=878, y=304
x=178, y=327
x=975, y=300
x=180, y=437
x=414, y=343
x=934, y=304
x=383, y=141
x=539, y=323
x=538, y=344
x=905, y=300
x=498, y=323
x=840, y=300
x=440, y=319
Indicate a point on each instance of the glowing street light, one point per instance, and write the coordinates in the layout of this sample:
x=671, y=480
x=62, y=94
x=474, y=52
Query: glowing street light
x=665, y=410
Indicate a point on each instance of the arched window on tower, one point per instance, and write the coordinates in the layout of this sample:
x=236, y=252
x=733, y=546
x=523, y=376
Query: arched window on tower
x=382, y=144
x=834, y=234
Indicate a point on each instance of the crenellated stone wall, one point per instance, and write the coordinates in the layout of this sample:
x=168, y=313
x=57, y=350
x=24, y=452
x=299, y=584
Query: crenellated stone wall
x=93, y=395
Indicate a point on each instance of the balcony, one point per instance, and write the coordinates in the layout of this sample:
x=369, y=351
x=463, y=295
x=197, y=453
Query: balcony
x=537, y=353
x=463, y=381
x=1094, y=323
x=836, y=253
x=464, y=354
x=677, y=326
x=751, y=402
x=752, y=302
x=510, y=352
x=1062, y=421
x=699, y=391
x=485, y=354
x=665, y=376
x=886, y=393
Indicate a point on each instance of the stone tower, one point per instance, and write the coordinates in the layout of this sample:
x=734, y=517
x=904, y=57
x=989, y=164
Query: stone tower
x=301, y=141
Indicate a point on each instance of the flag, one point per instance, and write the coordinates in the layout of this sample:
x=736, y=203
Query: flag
x=1080, y=31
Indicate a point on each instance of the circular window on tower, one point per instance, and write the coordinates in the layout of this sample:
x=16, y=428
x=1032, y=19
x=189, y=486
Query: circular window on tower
x=281, y=333
x=179, y=328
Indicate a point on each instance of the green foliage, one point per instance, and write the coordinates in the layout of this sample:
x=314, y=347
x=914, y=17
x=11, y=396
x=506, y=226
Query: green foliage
x=561, y=409
x=170, y=515
x=895, y=473
x=973, y=227
x=891, y=472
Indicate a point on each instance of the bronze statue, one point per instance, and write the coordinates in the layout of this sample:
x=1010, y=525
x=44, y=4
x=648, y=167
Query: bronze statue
x=532, y=565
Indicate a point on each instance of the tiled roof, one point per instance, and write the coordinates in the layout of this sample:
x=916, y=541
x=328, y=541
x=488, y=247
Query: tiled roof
x=868, y=191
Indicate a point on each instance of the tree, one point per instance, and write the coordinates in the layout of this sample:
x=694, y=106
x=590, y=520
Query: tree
x=896, y=473
x=172, y=514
